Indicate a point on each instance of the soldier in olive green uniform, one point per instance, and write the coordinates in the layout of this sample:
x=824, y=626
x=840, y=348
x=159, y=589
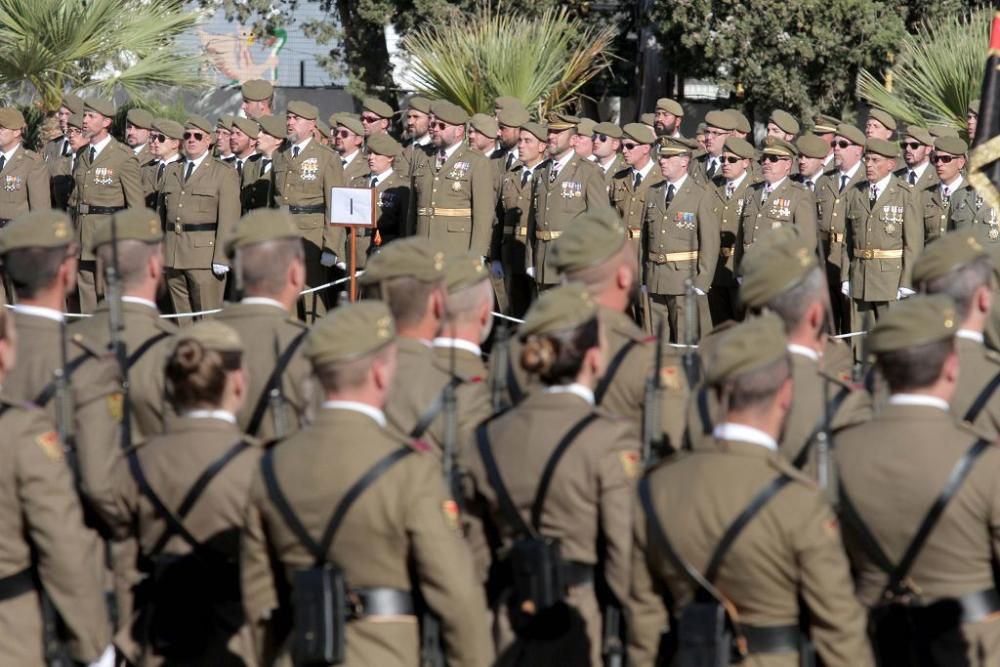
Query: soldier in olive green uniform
x=918, y=172
x=266, y=252
x=400, y=516
x=138, y=124
x=350, y=147
x=417, y=133
x=631, y=185
x=893, y=469
x=107, y=180
x=255, y=191
x=392, y=196
x=777, y=201
x=60, y=147
x=566, y=188
x=303, y=174
x=680, y=244
x=199, y=204
x=45, y=544
x=453, y=193
x=955, y=200
x=607, y=150
x=206, y=384
x=788, y=554
x=587, y=501
x=165, y=141
x=731, y=186
x=23, y=175
x=61, y=168
x=718, y=126
x=243, y=142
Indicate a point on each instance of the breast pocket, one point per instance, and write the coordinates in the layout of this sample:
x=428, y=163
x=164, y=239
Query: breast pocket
x=204, y=200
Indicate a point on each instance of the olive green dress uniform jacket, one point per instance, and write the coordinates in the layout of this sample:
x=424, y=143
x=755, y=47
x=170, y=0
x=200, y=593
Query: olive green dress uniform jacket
x=616, y=166
x=511, y=245
x=578, y=188
x=395, y=535
x=210, y=197
x=255, y=183
x=587, y=503
x=893, y=468
x=147, y=176
x=629, y=202
x=172, y=462
x=24, y=185
x=978, y=367
x=393, y=206
x=266, y=332
x=893, y=224
x=928, y=179
x=357, y=167
x=790, y=551
x=54, y=148
x=789, y=204
x=968, y=210
x=688, y=226
x=61, y=182
x=413, y=154
x=935, y=212
x=456, y=206
x=831, y=206
x=113, y=180
x=730, y=228
x=42, y=523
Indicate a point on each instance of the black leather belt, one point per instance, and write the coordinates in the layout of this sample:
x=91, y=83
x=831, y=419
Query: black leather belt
x=365, y=602
x=312, y=208
x=578, y=574
x=17, y=584
x=179, y=227
x=86, y=209
x=772, y=639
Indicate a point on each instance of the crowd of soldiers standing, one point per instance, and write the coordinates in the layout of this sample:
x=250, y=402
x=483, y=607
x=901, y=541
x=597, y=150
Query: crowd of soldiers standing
x=370, y=488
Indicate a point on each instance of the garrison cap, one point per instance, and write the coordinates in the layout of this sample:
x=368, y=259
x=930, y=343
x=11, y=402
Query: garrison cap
x=140, y=118
x=559, y=309
x=720, y=119
x=951, y=251
x=775, y=268
x=100, y=105
x=132, y=224
x=507, y=102
x=668, y=147
x=513, y=116
x=419, y=103
x=76, y=120
x=383, y=144
x=377, y=107
x=199, y=123
x=72, y=102
x=272, y=125
x=537, y=130
x=852, y=134
x=640, y=133
x=37, y=229
x=917, y=320
x=247, y=126
x=485, y=124
x=463, y=270
x=785, y=121
x=588, y=242
x=739, y=147
x=562, y=121
x=351, y=122
x=11, y=118
x=776, y=146
x=648, y=119
x=670, y=106
x=260, y=226
x=302, y=110
x=740, y=122
x=882, y=116
x=823, y=124
x=350, y=332
x=171, y=128
x=812, y=146
x=225, y=121
x=447, y=112
x=754, y=344
x=953, y=145
x=414, y=257
x=974, y=107
x=257, y=90
x=920, y=134
x=942, y=131
x=212, y=335
x=882, y=147
x=610, y=130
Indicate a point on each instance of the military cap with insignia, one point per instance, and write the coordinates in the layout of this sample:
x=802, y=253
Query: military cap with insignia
x=273, y=125
x=740, y=122
x=562, y=121
x=410, y=257
x=585, y=127
x=882, y=147
x=76, y=120
x=812, y=146
x=668, y=147
x=350, y=332
x=951, y=251
x=485, y=124
x=739, y=147
x=513, y=117
x=720, y=120
x=774, y=268
x=639, y=133
x=351, y=122
x=260, y=226
x=11, y=118
x=918, y=320
x=257, y=90
x=942, y=131
x=776, y=146
x=507, y=102
x=377, y=107
x=785, y=121
x=170, y=128
x=72, y=102
x=212, y=335
x=302, y=109
x=463, y=271
x=100, y=105
x=537, y=130
x=198, y=123
x=670, y=106
x=449, y=113
x=884, y=117
x=588, y=242
x=823, y=124
x=921, y=134
x=225, y=122
x=37, y=229
x=560, y=309
x=383, y=144
x=752, y=345
x=952, y=145
x=247, y=126
x=140, y=118
x=852, y=134
x=419, y=103
x=610, y=130
x=132, y=224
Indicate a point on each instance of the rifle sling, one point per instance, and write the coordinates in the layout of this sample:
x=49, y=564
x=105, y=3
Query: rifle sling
x=829, y=410
x=49, y=391
x=434, y=409
x=320, y=549
x=982, y=399
x=273, y=381
x=513, y=386
x=611, y=371
x=145, y=347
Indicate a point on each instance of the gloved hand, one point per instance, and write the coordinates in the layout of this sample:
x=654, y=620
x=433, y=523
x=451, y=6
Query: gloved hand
x=327, y=259
x=699, y=291
x=845, y=288
x=530, y=271
x=220, y=269
x=904, y=292
x=107, y=658
x=496, y=268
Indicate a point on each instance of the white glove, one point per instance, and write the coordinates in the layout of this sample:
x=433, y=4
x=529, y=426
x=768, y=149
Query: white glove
x=739, y=280
x=327, y=259
x=496, y=268
x=845, y=288
x=220, y=269
x=530, y=271
x=107, y=658
x=342, y=266
x=699, y=292
x=904, y=292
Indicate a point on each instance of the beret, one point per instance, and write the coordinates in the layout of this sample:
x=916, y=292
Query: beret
x=588, y=242
x=171, y=128
x=648, y=119
x=72, y=102
x=43, y=228
x=462, y=271
x=882, y=147
x=739, y=147
x=139, y=118
x=668, y=146
x=273, y=125
x=776, y=146
x=350, y=332
x=199, y=123
x=383, y=144
x=322, y=127
x=247, y=126
x=256, y=90
x=953, y=145
x=507, y=102
x=484, y=124
x=640, y=133
x=377, y=107
x=100, y=105
x=351, y=122
x=562, y=121
x=951, y=251
x=921, y=134
x=917, y=320
x=537, y=130
x=740, y=122
x=76, y=120
x=259, y=226
x=942, y=131
x=774, y=268
x=225, y=122
x=785, y=121
x=720, y=119
x=413, y=257
x=609, y=130
x=823, y=124
x=558, y=309
x=585, y=127
x=812, y=146
x=851, y=133
x=132, y=224
x=212, y=335
x=11, y=118
x=302, y=109
x=754, y=344
x=513, y=116
x=419, y=103
x=884, y=117
x=670, y=106
x=449, y=113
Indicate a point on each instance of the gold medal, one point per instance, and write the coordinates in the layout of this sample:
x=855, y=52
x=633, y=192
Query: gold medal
x=456, y=186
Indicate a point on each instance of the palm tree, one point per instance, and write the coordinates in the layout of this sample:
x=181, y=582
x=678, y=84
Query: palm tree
x=50, y=46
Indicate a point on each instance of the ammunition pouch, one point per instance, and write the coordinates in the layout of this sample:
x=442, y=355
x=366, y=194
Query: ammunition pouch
x=319, y=607
x=704, y=636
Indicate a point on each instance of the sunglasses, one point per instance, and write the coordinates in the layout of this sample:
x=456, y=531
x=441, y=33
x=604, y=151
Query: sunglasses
x=730, y=159
x=439, y=125
x=629, y=147
x=370, y=119
x=158, y=137
x=773, y=158
x=942, y=159
x=197, y=136
x=843, y=144
x=912, y=145
x=601, y=137
x=343, y=134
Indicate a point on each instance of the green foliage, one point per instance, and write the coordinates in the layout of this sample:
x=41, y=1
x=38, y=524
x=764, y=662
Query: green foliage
x=938, y=71
x=49, y=46
x=544, y=61
x=800, y=56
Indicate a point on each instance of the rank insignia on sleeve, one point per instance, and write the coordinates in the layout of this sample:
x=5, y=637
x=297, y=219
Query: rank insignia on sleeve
x=116, y=406
x=450, y=510
x=630, y=463
x=49, y=442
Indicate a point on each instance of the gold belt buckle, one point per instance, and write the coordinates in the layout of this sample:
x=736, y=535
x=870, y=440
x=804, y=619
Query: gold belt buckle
x=178, y=228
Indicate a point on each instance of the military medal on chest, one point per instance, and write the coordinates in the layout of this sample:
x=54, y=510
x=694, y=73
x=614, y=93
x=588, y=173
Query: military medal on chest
x=571, y=189
x=685, y=220
x=780, y=208
x=892, y=216
x=12, y=183
x=994, y=232
x=104, y=176
x=309, y=169
x=458, y=171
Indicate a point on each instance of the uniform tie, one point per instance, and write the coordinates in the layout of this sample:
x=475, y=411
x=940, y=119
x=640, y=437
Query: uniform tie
x=765, y=194
x=843, y=182
x=265, y=165
x=945, y=195
x=65, y=147
x=730, y=189
x=190, y=169
x=873, y=195
x=159, y=171
x=343, y=162
x=239, y=167
x=442, y=157
x=374, y=182
x=636, y=180
x=295, y=151
x=711, y=168
x=811, y=184
x=510, y=160
x=525, y=175
x=93, y=154
x=671, y=190
x=912, y=178
x=3, y=161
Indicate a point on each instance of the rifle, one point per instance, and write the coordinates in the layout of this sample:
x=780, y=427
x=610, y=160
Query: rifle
x=652, y=427
x=498, y=368
x=692, y=368
x=613, y=651
x=116, y=324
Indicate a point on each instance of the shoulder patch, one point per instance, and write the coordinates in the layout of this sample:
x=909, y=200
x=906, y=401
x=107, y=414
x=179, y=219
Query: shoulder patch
x=50, y=445
x=631, y=463
x=449, y=509
x=116, y=406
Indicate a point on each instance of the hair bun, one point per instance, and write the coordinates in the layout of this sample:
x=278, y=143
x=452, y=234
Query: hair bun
x=188, y=356
x=537, y=355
